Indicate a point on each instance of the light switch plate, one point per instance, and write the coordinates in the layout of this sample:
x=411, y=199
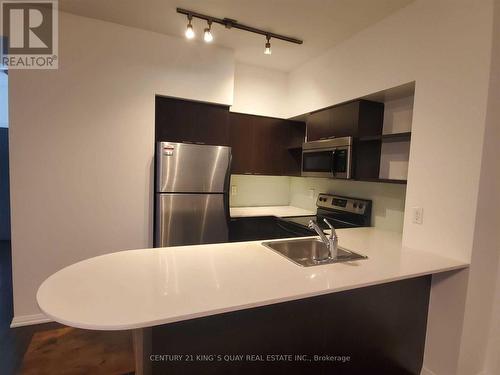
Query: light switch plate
x=417, y=215
x=234, y=190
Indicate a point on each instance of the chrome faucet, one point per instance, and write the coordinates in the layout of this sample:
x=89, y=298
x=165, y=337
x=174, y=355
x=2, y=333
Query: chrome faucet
x=331, y=242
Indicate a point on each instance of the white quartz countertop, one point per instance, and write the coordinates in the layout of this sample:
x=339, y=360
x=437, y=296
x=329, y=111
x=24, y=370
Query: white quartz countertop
x=148, y=287
x=279, y=211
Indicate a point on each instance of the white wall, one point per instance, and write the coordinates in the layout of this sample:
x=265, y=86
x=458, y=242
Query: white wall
x=259, y=190
x=260, y=91
x=482, y=318
x=492, y=363
x=81, y=141
x=387, y=199
x=445, y=46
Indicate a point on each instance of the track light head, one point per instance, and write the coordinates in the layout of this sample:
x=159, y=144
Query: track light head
x=207, y=35
x=189, y=30
x=268, y=51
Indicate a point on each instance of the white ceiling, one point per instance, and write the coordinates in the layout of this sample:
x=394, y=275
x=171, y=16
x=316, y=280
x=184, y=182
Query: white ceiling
x=320, y=23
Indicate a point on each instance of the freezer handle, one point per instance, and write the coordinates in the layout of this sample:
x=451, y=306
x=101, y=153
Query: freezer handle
x=227, y=181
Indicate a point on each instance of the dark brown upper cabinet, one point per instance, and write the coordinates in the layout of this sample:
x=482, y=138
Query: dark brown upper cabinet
x=187, y=121
x=268, y=145
x=241, y=139
x=358, y=118
x=264, y=145
x=260, y=145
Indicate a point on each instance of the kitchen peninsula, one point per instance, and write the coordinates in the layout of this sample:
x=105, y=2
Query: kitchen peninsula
x=174, y=289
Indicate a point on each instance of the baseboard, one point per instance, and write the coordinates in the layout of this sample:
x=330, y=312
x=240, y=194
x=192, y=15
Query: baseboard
x=27, y=320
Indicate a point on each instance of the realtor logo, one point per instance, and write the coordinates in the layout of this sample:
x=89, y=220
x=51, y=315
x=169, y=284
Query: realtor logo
x=29, y=32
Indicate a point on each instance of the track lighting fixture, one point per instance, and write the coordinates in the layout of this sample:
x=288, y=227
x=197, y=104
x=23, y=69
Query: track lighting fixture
x=268, y=51
x=229, y=23
x=189, y=30
x=207, y=35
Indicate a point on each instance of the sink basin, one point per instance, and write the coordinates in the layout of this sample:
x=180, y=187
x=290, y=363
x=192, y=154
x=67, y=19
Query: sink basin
x=303, y=252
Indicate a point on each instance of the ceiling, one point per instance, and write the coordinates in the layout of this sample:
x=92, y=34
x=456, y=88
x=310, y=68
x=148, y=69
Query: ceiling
x=320, y=23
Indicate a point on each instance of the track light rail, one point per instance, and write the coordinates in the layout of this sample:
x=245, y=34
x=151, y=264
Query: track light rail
x=230, y=23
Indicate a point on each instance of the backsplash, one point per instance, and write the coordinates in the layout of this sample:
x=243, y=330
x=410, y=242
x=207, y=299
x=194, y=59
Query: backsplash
x=388, y=199
x=252, y=190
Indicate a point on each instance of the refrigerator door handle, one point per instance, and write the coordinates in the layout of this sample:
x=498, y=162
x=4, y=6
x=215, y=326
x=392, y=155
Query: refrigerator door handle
x=227, y=177
x=227, y=182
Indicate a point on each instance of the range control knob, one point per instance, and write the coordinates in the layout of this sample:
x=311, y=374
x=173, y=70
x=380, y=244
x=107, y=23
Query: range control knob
x=361, y=205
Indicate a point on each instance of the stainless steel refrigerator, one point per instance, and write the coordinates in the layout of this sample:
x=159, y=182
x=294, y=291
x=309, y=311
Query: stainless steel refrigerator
x=191, y=194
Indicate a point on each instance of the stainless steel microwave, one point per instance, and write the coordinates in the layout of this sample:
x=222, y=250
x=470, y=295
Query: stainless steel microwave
x=327, y=158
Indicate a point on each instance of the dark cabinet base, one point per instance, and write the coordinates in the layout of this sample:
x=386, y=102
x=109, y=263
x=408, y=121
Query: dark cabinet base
x=264, y=228
x=373, y=330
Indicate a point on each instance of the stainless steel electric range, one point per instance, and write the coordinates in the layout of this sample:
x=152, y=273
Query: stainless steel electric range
x=340, y=211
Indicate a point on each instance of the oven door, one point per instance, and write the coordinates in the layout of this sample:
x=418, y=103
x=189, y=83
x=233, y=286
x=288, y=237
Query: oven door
x=317, y=163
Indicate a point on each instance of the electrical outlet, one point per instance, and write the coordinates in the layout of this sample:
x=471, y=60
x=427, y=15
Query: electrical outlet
x=417, y=215
x=234, y=190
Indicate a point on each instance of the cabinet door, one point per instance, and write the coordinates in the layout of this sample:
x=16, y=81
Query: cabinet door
x=357, y=119
x=318, y=125
x=253, y=229
x=186, y=121
x=241, y=138
x=269, y=137
x=261, y=145
x=344, y=120
x=175, y=120
x=212, y=125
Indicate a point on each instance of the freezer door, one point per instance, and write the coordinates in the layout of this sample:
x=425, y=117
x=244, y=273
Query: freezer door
x=190, y=219
x=188, y=168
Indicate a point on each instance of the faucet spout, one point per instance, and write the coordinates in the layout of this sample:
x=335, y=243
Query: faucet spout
x=318, y=230
x=333, y=241
x=330, y=242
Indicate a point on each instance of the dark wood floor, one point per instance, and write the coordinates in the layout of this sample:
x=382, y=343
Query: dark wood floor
x=13, y=342
x=113, y=347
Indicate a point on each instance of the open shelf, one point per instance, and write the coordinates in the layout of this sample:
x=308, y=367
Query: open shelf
x=394, y=137
x=397, y=137
x=383, y=180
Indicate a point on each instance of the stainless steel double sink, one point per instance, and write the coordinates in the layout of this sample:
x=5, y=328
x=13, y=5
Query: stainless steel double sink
x=304, y=252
